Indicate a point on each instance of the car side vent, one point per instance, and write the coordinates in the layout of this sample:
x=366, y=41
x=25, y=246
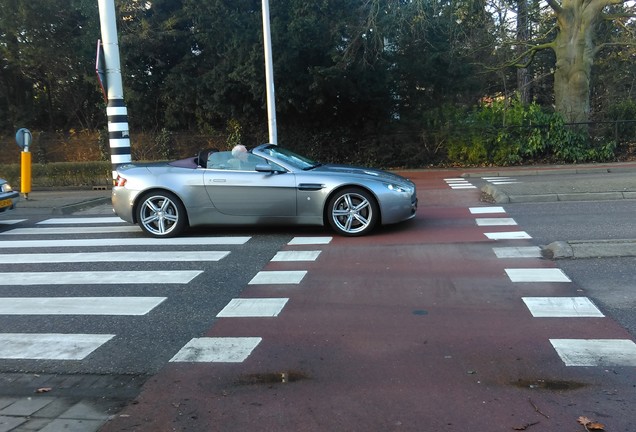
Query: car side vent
x=310, y=186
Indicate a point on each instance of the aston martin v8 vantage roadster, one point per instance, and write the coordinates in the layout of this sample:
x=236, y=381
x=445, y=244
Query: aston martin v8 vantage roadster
x=269, y=185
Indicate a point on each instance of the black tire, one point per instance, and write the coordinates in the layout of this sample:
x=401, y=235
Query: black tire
x=352, y=212
x=161, y=214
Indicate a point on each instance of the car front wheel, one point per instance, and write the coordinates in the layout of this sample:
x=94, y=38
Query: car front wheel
x=353, y=212
x=161, y=214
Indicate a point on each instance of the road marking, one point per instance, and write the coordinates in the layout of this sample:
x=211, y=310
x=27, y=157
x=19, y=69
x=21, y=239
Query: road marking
x=309, y=241
x=84, y=220
x=562, y=307
x=161, y=256
x=278, y=277
x=11, y=221
x=50, y=346
x=141, y=241
x=253, y=307
x=486, y=210
x=99, y=277
x=459, y=183
x=537, y=275
x=74, y=230
x=495, y=221
x=596, y=352
x=217, y=350
x=296, y=256
x=78, y=305
x=511, y=235
x=500, y=180
x=518, y=252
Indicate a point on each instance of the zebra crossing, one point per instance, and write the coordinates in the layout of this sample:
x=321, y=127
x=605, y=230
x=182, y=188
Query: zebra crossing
x=460, y=183
x=34, y=246
x=238, y=349
x=573, y=352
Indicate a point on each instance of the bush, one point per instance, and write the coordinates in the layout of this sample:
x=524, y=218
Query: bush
x=505, y=132
x=62, y=174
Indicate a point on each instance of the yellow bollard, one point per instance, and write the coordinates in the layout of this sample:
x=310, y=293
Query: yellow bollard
x=25, y=173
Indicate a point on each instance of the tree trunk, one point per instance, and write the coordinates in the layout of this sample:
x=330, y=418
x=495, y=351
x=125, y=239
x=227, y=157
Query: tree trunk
x=523, y=36
x=574, y=49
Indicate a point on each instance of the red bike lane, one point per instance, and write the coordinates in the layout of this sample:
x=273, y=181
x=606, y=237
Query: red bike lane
x=418, y=327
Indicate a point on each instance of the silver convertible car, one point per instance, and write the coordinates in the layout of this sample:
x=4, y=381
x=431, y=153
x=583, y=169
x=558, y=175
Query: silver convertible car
x=270, y=185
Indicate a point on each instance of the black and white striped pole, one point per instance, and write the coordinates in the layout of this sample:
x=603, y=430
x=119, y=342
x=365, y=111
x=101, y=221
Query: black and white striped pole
x=118, y=131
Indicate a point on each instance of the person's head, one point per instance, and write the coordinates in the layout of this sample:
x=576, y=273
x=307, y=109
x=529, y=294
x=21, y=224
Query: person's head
x=239, y=152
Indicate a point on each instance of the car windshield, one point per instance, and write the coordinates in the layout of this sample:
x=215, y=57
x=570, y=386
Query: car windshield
x=290, y=158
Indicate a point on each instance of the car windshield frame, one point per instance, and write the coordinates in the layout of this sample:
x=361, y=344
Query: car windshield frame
x=288, y=157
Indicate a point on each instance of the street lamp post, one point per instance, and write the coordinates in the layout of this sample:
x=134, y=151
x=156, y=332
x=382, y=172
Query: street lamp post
x=269, y=75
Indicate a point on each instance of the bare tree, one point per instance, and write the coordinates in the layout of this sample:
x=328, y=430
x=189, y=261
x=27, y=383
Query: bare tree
x=575, y=47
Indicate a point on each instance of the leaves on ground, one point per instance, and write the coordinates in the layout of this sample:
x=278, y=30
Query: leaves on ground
x=590, y=425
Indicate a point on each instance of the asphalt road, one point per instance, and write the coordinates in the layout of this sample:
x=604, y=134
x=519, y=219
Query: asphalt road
x=420, y=326
x=609, y=281
x=142, y=344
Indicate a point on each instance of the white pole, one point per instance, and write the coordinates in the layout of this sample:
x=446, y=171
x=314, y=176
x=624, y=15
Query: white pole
x=118, y=131
x=269, y=76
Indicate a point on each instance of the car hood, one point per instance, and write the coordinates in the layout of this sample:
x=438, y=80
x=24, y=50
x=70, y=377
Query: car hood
x=361, y=172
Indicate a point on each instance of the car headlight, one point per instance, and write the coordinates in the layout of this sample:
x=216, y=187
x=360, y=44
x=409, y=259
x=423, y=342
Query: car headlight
x=7, y=188
x=398, y=188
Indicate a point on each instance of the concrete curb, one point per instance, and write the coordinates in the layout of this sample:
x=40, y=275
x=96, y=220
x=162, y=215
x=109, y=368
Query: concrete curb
x=555, y=170
x=574, y=249
x=501, y=197
x=82, y=205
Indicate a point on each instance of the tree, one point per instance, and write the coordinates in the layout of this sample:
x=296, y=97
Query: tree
x=47, y=67
x=575, y=46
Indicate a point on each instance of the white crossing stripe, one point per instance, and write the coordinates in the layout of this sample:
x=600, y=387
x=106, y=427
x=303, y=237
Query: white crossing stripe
x=596, y=352
x=78, y=305
x=495, y=221
x=141, y=241
x=296, y=256
x=500, y=180
x=124, y=256
x=50, y=346
x=309, y=240
x=486, y=210
x=99, y=277
x=458, y=183
x=253, y=307
x=85, y=220
x=509, y=235
x=562, y=307
x=217, y=350
x=537, y=275
x=11, y=221
x=278, y=277
x=74, y=230
x=518, y=252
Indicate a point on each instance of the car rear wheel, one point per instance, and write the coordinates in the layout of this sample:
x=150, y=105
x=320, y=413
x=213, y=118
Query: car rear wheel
x=161, y=214
x=353, y=212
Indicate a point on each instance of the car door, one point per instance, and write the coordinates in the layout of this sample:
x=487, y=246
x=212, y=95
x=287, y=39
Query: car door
x=247, y=192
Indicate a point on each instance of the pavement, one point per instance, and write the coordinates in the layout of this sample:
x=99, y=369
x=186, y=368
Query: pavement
x=53, y=403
